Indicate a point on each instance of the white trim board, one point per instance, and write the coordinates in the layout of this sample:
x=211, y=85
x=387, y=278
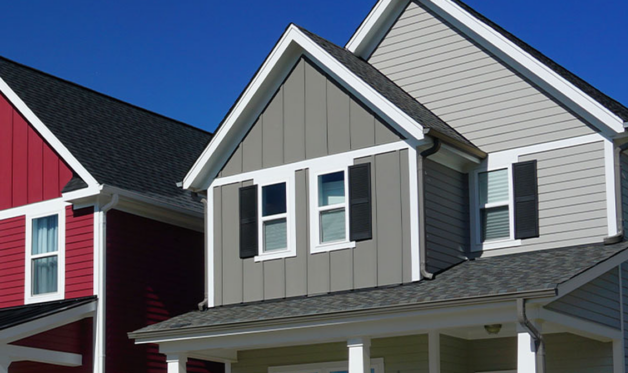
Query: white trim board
x=367, y=37
x=292, y=45
x=327, y=367
x=50, y=138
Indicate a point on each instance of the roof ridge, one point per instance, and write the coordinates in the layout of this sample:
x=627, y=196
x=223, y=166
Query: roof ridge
x=77, y=85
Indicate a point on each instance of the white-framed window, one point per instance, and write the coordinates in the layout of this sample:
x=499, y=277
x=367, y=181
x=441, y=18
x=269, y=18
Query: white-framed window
x=45, y=257
x=276, y=212
x=377, y=366
x=492, y=208
x=329, y=209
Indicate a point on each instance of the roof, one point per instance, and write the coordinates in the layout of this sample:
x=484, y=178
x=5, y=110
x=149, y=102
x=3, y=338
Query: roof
x=611, y=104
x=387, y=88
x=502, y=275
x=119, y=144
x=14, y=316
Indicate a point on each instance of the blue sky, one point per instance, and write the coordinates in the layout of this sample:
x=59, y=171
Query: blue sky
x=189, y=60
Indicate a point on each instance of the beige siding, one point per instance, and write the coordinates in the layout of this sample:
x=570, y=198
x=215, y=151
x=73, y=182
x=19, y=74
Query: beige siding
x=568, y=353
x=572, y=196
x=493, y=354
x=446, y=216
x=309, y=105
x=623, y=159
x=383, y=260
x=454, y=355
x=596, y=301
x=624, y=288
x=400, y=354
x=468, y=87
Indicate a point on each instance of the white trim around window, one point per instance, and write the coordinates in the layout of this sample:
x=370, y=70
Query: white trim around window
x=476, y=208
x=377, y=366
x=289, y=216
x=29, y=297
x=315, y=210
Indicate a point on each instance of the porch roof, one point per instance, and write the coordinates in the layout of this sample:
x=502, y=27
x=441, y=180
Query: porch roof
x=525, y=274
x=14, y=316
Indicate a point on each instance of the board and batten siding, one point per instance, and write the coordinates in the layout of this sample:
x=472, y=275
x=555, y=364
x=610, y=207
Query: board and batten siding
x=596, y=301
x=308, y=105
x=407, y=354
x=383, y=260
x=623, y=161
x=468, y=87
x=446, y=216
x=572, y=196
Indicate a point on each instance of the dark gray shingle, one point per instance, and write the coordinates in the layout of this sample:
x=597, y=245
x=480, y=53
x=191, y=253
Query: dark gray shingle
x=13, y=316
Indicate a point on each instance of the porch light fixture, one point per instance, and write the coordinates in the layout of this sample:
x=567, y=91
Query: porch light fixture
x=493, y=328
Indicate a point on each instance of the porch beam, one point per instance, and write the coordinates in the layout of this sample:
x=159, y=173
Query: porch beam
x=20, y=353
x=176, y=363
x=433, y=348
x=581, y=327
x=359, y=355
x=218, y=356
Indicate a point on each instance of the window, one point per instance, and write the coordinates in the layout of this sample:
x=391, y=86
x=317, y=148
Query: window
x=274, y=218
x=44, y=258
x=329, y=211
x=494, y=200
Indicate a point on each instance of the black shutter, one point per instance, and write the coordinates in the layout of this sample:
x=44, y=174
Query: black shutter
x=248, y=222
x=360, y=215
x=526, y=200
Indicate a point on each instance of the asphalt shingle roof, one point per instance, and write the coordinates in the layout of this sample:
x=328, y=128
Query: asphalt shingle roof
x=387, y=88
x=119, y=144
x=508, y=274
x=611, y=104
x=14, y=316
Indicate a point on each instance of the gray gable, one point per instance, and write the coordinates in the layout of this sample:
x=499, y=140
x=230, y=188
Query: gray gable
x=119, y=144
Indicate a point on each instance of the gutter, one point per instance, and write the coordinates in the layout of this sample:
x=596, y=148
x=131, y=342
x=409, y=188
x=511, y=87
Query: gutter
x=422, y=239
x=539, y=342
x=456, y=144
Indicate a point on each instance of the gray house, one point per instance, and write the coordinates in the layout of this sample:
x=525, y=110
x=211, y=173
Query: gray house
x=436, y=196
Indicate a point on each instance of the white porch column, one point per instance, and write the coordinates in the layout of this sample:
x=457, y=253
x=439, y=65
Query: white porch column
x=526, y=358
x=359, y=355
x=434, y=351
x=227, y=367
x=176, y=363
x=619, y=363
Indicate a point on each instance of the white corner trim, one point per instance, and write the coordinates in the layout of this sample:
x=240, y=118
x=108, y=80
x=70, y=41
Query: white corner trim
x=496, y=42
x=29, y=298
x=413, y=178
x=611, y=190
x=209, y=244
x=33, y=120
x=291, y=39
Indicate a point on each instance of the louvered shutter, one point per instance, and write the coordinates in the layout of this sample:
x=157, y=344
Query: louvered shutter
x=526, y=205
x=360, y=214
x=248, y=222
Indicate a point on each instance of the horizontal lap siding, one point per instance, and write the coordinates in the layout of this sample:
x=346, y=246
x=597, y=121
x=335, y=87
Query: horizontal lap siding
x=596, y=301
x=494, y=354
x=309, y=105
x=30, y=171
x=74, y=338
x=624, y=190
x=569, y=353
x=446, y=216
x=384, y=260
x=468, y=87
x=12, y=256
x=400, y=354
x=454, y=355
x=624, y=285
x=155, y=272
x=79, y=252
x=572, y=196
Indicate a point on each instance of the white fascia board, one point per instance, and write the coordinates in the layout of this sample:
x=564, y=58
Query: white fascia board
x=496, y=43
x=290, y=47
x=50, y=138
x=375, y=26
x=20, y=353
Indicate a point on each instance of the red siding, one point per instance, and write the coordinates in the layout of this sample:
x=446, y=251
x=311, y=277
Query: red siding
x=12, y=242
x=79, y=252
x=30, y=171
x=155, y=271
x=75, y=338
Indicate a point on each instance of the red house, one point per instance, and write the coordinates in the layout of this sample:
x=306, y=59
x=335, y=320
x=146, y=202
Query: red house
x=96, y=239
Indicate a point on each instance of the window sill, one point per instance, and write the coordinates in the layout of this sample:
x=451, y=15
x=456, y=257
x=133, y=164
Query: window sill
x=32, y=299
x=276, y=255
x=494, y=245
x=332, y=247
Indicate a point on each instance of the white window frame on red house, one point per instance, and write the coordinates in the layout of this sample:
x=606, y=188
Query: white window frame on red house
x=29, y=297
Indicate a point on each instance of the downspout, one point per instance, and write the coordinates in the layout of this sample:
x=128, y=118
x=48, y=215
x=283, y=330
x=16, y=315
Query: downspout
x=618, y=202
x=539, y=342
x=102, y=283
x=203, y=305
x=422, y=239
